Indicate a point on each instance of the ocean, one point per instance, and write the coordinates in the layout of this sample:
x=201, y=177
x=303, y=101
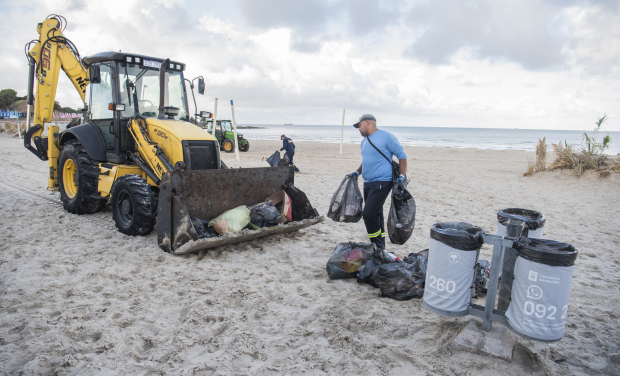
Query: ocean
x=478, y=138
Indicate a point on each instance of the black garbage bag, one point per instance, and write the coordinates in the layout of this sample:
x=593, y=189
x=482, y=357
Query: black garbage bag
x=533, y=219
x=483, y=272
x=347, y=203
x=401, y=280
x=401, y=219
x=458, y=235
x=284, y=161
x=379, y=257
x=274, y=159
x=264, y=214
x=202, y=228
x=348, y=258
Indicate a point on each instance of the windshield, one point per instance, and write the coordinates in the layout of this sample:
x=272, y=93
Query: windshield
x=226, y=127
x=145, y=82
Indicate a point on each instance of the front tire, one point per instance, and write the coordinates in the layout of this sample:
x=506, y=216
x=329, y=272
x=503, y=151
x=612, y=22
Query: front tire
x=245, y=147
x=78, y=180
x=134, y=205
x=229, y=146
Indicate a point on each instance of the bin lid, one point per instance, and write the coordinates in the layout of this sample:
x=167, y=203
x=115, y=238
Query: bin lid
x=547, y=251
x=458, y=235
x=533, y=219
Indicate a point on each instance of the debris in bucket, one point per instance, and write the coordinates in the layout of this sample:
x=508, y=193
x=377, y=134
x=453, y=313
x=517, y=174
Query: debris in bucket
x=346, y=203
x=348, y=258
x=264, y=214
x=202, y=228
x=231, y=221
x=483, y=272
x=401, y=219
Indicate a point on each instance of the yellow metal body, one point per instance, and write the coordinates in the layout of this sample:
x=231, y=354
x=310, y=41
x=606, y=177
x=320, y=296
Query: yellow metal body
x=108, y=176
x=53, y=152
x=51, y=56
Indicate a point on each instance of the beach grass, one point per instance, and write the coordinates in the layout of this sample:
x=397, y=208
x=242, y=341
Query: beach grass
x=531, y=167
x=541, y=155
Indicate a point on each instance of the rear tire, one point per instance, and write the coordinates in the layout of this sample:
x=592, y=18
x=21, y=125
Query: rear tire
x=134, y=205
x=78, y=180
x=228, y=145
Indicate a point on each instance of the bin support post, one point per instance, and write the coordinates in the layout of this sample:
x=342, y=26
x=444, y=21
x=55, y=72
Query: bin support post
x=514, y=228
x=492, y=287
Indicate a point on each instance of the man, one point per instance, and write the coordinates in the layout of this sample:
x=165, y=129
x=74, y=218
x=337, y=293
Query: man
x=289, y=147
x=377, y=173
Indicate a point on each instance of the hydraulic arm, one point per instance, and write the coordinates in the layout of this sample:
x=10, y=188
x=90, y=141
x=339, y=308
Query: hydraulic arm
x=46, y=57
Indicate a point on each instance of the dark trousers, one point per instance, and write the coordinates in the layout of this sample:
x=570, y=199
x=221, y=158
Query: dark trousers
x=375, y=194
x=290, y=157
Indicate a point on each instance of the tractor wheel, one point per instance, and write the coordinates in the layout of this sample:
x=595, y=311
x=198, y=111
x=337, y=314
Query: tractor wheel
x=245, y=147
x=229, y=146
x=78, y=180
x=134, y=205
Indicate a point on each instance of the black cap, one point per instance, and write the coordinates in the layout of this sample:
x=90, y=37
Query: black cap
x=364, y=117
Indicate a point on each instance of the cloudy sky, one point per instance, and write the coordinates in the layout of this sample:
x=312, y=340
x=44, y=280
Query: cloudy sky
x=551, y=64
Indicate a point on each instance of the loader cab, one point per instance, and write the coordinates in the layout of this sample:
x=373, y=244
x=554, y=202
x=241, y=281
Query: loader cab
x=133, y=81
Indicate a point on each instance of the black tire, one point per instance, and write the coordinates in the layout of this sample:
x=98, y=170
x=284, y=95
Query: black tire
x=134, y=205
x=81, y=197
x=245, y=147
x=228, y=145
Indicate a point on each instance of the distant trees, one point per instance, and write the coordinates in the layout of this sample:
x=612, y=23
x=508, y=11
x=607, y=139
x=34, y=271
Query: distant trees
x=7, y=97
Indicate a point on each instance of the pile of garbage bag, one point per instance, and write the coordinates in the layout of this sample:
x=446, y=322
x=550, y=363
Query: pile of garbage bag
x=264, y=214
x=396, y=279
x=347, y=202
x=401, y=219
x=348, y=258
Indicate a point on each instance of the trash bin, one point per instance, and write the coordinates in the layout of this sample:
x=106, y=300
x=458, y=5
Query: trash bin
x=452, y=256
x=541, y=289
x=534, y=221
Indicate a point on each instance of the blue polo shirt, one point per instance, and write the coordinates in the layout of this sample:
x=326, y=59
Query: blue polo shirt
x=374, y=166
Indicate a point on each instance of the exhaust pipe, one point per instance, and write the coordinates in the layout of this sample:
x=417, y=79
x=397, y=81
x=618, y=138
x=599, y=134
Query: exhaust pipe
x=162, y=87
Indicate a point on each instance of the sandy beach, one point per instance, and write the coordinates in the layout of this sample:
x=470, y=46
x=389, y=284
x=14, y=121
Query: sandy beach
x=79, y=298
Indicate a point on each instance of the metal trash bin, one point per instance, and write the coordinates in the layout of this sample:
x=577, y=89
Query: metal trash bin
x=452, y=256
x=534, y=221
x=541, y=289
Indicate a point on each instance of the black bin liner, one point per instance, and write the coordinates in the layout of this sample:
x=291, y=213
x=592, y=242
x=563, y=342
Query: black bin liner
x=264, y=214
x=547, y=251
x=379, y=257
x=348, y=258
x=347, y=202
x=533, y=219
x=274, y=159
x=458, y=235
x=401, y=219
x=402, y=280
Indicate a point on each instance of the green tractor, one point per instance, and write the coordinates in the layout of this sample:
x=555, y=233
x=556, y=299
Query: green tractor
x=225, y=135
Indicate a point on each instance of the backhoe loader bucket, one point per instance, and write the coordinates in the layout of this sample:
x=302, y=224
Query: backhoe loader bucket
x=205, y=194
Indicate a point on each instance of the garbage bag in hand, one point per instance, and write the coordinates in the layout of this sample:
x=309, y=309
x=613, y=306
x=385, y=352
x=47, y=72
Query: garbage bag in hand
x=379, y=257
x=274, y=159
x=348, y=258
x=264, y=214
x=346, y=204
x=402, y=280
x=232, y=220
x=402, y=215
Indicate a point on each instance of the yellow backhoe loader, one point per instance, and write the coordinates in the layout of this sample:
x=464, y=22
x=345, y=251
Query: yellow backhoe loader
x=138, y=150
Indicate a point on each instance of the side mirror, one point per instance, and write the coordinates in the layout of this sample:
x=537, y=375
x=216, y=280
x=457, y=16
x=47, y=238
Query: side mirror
x=206, y=115
x=95, y=74
x=201, y=86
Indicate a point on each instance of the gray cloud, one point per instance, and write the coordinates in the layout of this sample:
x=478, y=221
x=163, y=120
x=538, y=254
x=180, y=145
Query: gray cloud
x=529, y=33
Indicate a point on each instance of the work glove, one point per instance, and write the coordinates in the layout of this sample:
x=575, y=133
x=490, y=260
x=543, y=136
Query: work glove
x=401, y=181
x=354, y=174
